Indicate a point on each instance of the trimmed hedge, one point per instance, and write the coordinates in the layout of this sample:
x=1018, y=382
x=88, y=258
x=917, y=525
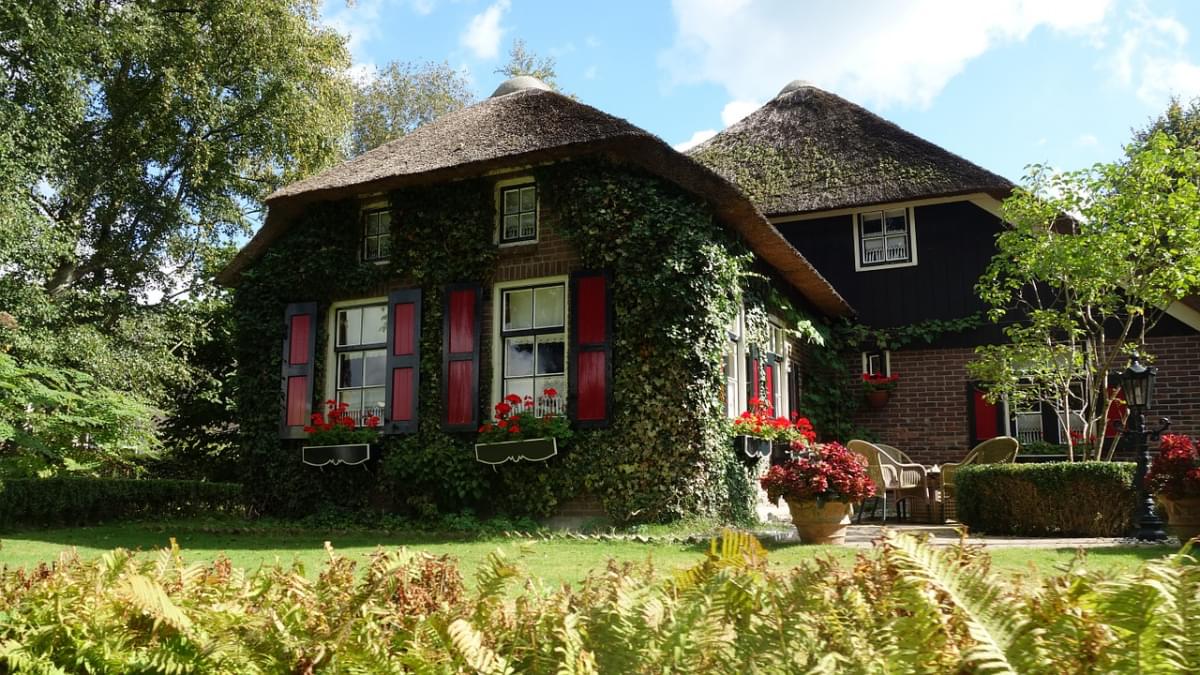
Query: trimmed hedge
x=1086, y=499
x=78, y=501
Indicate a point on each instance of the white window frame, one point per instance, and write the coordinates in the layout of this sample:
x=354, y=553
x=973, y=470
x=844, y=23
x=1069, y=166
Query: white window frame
x=507, y=184
x=363, y=210
x=911, y=219
x=778, y=333
x=331, y=364
x=887, y=361
x=735, y=335
x=498, y=290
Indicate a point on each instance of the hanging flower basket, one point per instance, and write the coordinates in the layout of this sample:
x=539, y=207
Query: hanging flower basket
x=526, y=450
x=878, y=398
x=877, y=388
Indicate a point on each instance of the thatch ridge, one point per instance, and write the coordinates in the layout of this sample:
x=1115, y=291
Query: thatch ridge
x=810, y=150
x=523, y=128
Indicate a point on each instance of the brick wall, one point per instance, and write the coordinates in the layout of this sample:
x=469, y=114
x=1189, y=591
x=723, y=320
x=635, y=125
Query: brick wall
x=927, y=414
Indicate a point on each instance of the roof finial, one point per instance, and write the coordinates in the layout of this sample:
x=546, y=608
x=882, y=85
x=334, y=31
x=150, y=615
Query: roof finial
x=519, y=83
x=794, y=85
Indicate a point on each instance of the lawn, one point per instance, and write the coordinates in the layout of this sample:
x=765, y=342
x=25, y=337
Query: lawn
x=554, y=561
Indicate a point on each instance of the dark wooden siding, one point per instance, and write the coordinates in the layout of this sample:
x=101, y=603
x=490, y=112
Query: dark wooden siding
x=954, y=243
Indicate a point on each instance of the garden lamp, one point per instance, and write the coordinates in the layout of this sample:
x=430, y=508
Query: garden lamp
x=1137, y=386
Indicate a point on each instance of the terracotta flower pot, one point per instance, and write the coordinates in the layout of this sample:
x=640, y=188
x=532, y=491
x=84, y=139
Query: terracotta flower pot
x=878, y=398
x=823, y=524
x=1183, y=516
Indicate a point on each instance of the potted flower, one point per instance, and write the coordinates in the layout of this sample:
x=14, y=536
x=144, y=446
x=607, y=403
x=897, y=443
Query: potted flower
x=878, y=387
x=335, y=438
x=757, y=429
x=1174, y=478
x=523, y=429
x=820, y=486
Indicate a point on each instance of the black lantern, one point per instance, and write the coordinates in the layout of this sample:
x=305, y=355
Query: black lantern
x=1137, y=385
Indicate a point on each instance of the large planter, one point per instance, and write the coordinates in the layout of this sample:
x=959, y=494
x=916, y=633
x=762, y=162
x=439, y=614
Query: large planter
x=1183, y=516
x=878, y=398
x=320, y=455
x=528, y=450
x=824, y=523
x=752, y=447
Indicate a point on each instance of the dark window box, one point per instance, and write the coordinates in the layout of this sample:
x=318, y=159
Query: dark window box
x=529, y=450
x=320, y=455
x=751, y=447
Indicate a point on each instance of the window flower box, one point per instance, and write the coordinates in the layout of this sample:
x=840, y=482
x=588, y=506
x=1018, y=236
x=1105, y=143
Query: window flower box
x=752, y=447
x=756, y=432
x=347, y=453
x=526, y=449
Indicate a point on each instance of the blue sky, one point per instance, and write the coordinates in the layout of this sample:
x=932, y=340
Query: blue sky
x=1004, y=83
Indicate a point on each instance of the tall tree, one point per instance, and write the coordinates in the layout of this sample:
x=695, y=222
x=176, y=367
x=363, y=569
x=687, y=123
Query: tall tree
x=522, y=61
x=402, y=97
x=1088, y=266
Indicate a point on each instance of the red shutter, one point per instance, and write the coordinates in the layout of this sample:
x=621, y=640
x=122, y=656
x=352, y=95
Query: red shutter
x=753, y=376
x=1116, y=412
x=460, y=357
x=589, y=399
x=985, y=418
x=403, y=360
x=769, y=381
x=299, y=344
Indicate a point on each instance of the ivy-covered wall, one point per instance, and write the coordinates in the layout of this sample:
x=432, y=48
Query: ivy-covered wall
x=678, y=277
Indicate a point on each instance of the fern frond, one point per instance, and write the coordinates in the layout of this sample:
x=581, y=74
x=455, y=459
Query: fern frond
x=468, y=645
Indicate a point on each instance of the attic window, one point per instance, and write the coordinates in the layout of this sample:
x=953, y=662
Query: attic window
x=885, y=238
x=377, y=235
x=518, y=214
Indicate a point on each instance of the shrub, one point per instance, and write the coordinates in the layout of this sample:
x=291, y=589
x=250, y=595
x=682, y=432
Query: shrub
x=1175, y=472
x=78, y=501
x=906, y=608
x=828, y=472
x=1090, y=499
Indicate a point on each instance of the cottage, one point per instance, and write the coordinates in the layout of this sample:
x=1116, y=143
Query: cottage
x=531, y=245
x=903, y=229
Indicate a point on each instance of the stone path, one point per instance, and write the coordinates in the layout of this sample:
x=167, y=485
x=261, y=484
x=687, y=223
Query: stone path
x=863, y=536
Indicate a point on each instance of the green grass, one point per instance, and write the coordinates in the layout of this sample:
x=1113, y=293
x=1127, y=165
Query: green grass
x=555, y=562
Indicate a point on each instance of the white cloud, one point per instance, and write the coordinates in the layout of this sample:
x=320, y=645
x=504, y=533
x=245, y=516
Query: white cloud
x=483, y=33
x=696, y=139
x=734, y=111
x=874, y=51
x=1152, y=59
x=359, y=22
x=590, y=73
x=1087, y=141
x=592, y=41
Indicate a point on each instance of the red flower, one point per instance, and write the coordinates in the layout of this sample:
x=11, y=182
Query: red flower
x=503, y=424
x=550, y=391
x=502, y=409
x=529, y=402
x=513, y=398
x=514, y=429
x=309, y=430
x=372, y=421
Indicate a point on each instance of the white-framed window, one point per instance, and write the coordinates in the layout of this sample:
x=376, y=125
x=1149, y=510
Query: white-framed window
x=531, y=340
x=775, y=358
x=358, y=357
x=877, y=362
x=733, y=374
x=885, y=238
x=518, y=211
x=377, y=235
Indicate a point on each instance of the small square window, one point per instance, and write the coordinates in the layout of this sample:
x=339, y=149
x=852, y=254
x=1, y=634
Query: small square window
x=518, y=214
x=377, y=235
x=884, y=238
x=876, y=363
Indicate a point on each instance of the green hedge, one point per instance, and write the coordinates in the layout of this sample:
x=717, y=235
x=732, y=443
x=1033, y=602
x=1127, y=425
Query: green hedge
x=1088, y=499
x=78, y=501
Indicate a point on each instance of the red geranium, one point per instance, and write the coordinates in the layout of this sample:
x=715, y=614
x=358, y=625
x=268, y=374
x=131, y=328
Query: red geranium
x=1175, y=472
x=879, y=382
x=518, y=418
x=336, y=426
x=827, y=472
x=759, y=421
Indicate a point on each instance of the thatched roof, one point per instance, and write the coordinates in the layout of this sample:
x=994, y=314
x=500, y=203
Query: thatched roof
x=527, y=126
x=809, y=150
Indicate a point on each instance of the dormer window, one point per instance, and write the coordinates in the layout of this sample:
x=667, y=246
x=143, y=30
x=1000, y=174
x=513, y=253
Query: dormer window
x=885, y=238
x=377, y=235
x=518, y=213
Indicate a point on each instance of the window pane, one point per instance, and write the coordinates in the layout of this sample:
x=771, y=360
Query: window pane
x=512, y=227
x=374, y=325
x=872, y=223
x=521, y=387
x=518, y=356
x=527, y=199
x=528, y=225
x=550, y=351
x=872, y=250
x=353, y=398
x=349, y=327
x=518, y=310
x=350, y=369
x=896, y=221
x=385, y=245
x=548, y=307
x=897, y=247
x=375, y=367
x=373, y=402
x=512, y=201
x=370, y=248
x=555, y=382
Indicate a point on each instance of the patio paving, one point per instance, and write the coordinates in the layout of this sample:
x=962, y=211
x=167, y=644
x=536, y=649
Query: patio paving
x=862, y=536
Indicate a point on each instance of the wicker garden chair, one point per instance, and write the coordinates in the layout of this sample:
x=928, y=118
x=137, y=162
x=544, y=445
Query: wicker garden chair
x=895, y=452
x=902, y=479
x=998, y=450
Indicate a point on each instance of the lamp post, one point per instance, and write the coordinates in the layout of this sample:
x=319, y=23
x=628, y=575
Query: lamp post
x=1137, y=385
